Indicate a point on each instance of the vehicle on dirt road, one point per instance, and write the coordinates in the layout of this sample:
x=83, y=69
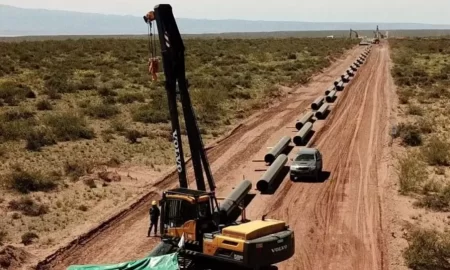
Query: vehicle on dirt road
x=307, y=163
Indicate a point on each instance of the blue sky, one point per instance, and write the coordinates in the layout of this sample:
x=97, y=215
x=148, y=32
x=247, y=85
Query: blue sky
x=415, y=11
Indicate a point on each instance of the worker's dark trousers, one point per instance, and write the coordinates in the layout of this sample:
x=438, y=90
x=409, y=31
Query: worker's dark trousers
x=155, y=224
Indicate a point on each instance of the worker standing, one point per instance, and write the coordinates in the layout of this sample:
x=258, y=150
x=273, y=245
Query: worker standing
x=154, y=216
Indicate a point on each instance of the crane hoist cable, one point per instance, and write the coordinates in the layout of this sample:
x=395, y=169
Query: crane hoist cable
x=153, y=62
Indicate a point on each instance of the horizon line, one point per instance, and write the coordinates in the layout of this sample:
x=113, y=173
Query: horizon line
x=206, y=19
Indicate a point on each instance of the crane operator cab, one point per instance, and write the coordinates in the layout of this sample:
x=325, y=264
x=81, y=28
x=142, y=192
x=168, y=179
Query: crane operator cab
x=187, y=211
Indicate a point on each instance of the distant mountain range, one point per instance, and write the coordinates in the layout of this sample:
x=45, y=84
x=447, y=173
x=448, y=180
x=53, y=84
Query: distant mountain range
x=35, y=22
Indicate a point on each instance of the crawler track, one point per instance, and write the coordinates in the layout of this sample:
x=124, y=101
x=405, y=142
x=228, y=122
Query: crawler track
x=337, y=223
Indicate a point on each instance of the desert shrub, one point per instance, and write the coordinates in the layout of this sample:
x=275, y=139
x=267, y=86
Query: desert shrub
x=411, y=173
x=438, y=92
x=90, y=183
x=67, y=127
x=415, y=110
x=28, y=207
x=28, y=238
x=7, y=66
x=272, y=92
x=12, y=93
x=292, y=56
x=102, y=110
x=133, y=135
x=113, y=162
x=44, y=105
x=58, y=83
x=117, y=83
x=410, y=134
x=425, y=125
x=208, y=104
x=19, y=114
x=75, y=169
x=148, y=113
x=83, y=208
x=3, y=236
x=109, y=100
x=127, y=98
x=438, y=201
x=428, y=250
x=30, y=181
x=53, y=94
x=87, y=83
x=15, y=130
x=431, y=186
x=105, y=91
x=38, y=138
x=437, y=152
x=118, y=125
x=404, y=96
x=107, y=136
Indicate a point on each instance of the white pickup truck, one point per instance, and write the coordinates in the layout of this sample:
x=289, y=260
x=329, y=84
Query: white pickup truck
x=307, y=163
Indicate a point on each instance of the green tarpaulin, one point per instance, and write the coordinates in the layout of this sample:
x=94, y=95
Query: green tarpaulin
x=165, y=262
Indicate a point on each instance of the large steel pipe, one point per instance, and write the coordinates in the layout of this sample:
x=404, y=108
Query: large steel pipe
x=317, y=103
x=340, y=86
x=350, y=73
x=236, y=197
x=300, y=137
x=336, y=82
x=353, y=68
x=321, y=113
x=277, y=149
x=356, y=64
x=331, y=96
x=305, y=119
x=345, y=78
x=360, y=62
x=269, y=176
x=329, y=90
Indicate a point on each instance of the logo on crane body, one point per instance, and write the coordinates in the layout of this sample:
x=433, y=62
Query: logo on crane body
x=278, y=249
x=177, y=151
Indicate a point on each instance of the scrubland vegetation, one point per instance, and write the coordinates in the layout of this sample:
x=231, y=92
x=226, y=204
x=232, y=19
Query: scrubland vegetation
x=422, y=73
x=69, y=107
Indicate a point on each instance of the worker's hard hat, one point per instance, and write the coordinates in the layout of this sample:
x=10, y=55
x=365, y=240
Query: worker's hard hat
x=154, y=203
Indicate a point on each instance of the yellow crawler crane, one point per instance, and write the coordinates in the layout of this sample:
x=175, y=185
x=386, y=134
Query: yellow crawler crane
x=209, y=234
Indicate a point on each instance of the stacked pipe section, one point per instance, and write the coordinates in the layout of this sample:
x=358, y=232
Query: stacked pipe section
x=317, y=103
x=305, y=119
x=329, y=90
x=322, y=112
x=234, y=200
x=331, y=97
x=267, y=179
x=302, y=134
x=278, y=149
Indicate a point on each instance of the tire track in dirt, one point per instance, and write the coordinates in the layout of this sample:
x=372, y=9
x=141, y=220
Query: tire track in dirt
x=123, y=238
x=338, y=222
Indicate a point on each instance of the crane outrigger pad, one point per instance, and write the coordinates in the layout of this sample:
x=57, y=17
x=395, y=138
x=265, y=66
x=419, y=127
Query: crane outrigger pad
x=165, y=262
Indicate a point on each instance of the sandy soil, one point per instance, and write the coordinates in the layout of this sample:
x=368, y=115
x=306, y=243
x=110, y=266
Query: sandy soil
x=338, y=222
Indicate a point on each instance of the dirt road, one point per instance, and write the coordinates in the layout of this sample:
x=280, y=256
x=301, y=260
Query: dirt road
x=337, y=222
